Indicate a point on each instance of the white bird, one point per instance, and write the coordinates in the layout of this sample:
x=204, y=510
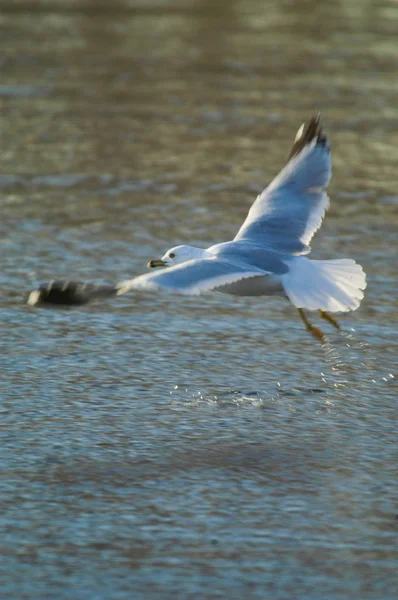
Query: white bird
x=267, y=256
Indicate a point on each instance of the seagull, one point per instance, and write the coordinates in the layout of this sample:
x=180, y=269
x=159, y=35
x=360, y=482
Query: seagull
x=269, y=254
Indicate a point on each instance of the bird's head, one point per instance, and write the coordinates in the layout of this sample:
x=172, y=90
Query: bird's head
x=176, y=256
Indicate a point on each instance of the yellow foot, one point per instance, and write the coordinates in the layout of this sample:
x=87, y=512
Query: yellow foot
x=329, y=318
x=315, y=331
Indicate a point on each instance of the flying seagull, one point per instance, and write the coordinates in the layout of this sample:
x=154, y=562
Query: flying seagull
x=268, y=256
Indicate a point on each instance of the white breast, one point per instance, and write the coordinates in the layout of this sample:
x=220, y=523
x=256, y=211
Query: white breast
x=267, y=285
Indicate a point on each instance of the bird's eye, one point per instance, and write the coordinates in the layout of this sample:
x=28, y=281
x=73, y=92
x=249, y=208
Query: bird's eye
x=171, y=255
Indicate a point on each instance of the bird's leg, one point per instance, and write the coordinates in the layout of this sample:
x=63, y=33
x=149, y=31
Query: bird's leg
x=316, y=332
x=329, y=318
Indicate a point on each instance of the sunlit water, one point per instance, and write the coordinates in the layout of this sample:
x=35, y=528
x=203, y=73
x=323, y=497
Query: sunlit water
x=167, y=447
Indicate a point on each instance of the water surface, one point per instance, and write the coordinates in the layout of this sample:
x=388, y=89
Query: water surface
x=166, y=447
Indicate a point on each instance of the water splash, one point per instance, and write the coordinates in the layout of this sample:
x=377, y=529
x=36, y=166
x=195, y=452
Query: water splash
x=353, y=364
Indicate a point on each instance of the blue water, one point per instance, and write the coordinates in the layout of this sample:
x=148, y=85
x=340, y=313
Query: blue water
x=163, y=447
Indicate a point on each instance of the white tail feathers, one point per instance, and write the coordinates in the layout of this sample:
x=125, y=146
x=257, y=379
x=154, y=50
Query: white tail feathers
x=330, y=285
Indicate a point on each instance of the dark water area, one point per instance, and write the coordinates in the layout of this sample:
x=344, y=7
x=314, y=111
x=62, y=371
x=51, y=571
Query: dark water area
x=156, y=446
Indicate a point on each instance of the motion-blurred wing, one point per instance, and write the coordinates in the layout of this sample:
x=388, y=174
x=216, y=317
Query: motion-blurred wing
x=289, y=211
x=192, y=277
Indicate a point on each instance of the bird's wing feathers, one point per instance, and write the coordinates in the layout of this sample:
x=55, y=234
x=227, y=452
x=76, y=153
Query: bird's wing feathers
x=192, y=277
x=289, y=211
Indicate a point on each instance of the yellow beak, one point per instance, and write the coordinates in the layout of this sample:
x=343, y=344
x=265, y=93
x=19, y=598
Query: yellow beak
x=158, y=262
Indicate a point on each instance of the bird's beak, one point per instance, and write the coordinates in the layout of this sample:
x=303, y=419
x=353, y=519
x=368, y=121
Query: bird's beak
x=158, y=262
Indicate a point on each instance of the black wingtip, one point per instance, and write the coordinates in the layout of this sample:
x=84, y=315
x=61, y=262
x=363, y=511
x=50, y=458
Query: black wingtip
x=307, y=133
x=68, y=293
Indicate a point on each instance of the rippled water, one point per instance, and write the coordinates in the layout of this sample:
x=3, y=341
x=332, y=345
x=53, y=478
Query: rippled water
x=167, y=447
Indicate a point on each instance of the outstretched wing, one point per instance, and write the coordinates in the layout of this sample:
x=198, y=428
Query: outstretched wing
x=289, y=211
x=192, y=277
